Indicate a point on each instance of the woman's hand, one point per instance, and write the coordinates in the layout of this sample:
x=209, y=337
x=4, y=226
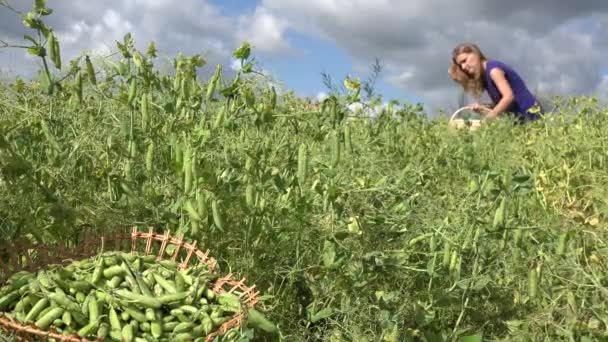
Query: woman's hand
x=478, y=107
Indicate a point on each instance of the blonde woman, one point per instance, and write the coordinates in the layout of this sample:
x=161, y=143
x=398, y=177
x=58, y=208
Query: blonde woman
x=475, y=73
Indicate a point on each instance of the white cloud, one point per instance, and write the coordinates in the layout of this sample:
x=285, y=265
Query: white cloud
x=602, y=90
x=405, y=76
x=265, y=31
x=193, y=27
x=321, y=96
x=235, y=65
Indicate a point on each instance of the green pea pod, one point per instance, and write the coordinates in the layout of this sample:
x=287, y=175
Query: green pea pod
x=103, y=331
x=115, y=324
x=187, y=169
x=9, y=299
x=56, y=54
x=169, y=326
x=145, y=115
x=93, y=309
x=257, y=320
x=419, y=238
x=229, y=301
x=532, y=283
x=113, y=271
x=180, y=282
x=97, y=272
x=347, y=139
x=37, y=309
x=45, y=321
x=217, y=218
x=127, y=333
x=142, y=300
x=80, y=285
x=143, y=287
x=499, y=215
x=53, y=49
x=67, y=318
x=135, y=313
x=44, y=280
x=447, y=252
x=168, y=286
x=116, y=334
x=213, y=82
x=563, y=243
x=183, y=327
x=78, y=86
x=63, y=301
x=172, y=297
x=132, y=91
x=335, y=149
x=90, y=71
x=145, y=327
x=182, y=337
x=207, y=324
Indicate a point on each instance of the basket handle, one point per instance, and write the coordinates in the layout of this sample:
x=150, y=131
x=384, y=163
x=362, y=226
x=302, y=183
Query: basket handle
x=467, y=107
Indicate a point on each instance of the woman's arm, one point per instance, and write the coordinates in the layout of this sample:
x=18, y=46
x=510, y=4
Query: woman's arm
x=498, y=76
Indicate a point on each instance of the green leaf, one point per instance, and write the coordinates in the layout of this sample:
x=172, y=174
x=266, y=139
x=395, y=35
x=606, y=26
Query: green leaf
x=46, y=11
x=138, y=60
x=243, y=51
x=126, y=45
x=471, y=338
x=40, y=7
x=128, y=40
x=329, y=254
x=433, y=337
x=28, y=37
x=36, y=51
x=151, y=49
x=197, y=61
x=231, y=89
x=247, y=68
x=481, y=283
x=257, y=320
x=322, y=314
x=352, y=83
x=45, y=30
x=43, y=79
x=74, y=65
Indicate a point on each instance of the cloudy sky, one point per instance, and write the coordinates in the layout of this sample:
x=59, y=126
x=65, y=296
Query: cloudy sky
x=559, y=47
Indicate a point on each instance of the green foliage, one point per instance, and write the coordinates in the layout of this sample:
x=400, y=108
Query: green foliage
x=394, y=228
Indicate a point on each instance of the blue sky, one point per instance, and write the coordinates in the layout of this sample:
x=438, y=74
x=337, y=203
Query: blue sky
x=236, y=7
x=561, y=47
x=302, y=73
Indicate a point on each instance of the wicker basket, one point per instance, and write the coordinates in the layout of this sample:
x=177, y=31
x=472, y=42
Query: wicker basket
x=24, y=255
x=471, y=124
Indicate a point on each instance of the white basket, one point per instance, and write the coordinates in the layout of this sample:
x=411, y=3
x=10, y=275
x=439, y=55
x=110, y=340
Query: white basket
x=471, y=124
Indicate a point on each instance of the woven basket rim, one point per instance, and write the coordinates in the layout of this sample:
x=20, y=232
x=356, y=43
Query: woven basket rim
x=227, y=283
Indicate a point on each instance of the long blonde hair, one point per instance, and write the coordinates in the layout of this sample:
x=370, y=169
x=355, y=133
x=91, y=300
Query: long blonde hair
x=476, y=84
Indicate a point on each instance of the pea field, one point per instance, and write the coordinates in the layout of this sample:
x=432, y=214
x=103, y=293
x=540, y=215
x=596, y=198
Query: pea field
x=353, y=228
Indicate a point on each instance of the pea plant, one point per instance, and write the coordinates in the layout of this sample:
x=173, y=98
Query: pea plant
x=391, y=228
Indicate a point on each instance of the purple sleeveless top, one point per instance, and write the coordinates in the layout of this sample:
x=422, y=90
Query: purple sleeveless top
x=523, y=97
